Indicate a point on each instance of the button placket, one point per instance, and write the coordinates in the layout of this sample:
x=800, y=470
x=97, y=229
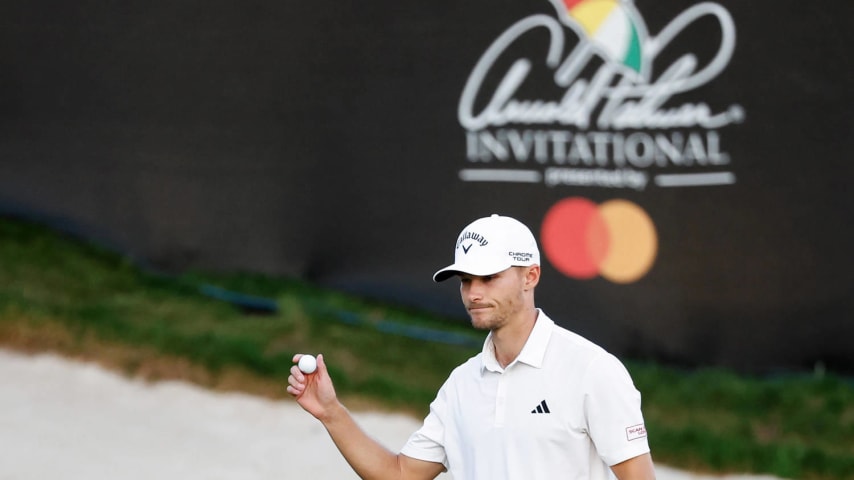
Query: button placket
x=501, y=399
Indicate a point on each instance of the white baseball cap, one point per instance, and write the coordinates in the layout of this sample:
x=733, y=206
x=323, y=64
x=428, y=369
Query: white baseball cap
x=490, y=245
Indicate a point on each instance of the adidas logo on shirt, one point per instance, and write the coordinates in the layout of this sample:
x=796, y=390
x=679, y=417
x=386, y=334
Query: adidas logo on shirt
x=541, y=408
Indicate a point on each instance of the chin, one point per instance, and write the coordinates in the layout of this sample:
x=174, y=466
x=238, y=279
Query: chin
x=481, y=323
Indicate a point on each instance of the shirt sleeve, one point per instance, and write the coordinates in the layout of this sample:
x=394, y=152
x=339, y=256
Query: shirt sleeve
x=612, y=408
x=427, y=443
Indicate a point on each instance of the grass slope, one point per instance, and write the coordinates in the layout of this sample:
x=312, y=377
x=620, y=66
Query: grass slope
x=62, y=295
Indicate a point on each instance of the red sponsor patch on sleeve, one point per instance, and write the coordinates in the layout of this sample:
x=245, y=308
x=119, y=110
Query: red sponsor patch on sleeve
x=635, y=432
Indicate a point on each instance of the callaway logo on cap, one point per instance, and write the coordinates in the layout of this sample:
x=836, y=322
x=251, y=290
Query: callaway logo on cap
x=490, y=245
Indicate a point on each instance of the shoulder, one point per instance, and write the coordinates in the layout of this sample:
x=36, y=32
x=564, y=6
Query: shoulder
x=569, y=343
x=464, y=371
x=461, y=376
x=576, y=341
x=470, y=367
x=571, y=348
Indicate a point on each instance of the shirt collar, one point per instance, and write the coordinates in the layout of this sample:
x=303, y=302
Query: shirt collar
x=532, y=353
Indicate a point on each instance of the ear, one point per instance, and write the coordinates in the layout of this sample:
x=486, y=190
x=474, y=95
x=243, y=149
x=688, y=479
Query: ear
x=532, y=277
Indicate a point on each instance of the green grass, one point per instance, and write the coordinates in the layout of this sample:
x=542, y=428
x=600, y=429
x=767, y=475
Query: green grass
x=49, y=282
x=793, y=427
x=57, y=293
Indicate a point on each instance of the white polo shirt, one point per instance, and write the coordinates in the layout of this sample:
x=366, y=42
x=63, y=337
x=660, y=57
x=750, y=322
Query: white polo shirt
x=564, y=409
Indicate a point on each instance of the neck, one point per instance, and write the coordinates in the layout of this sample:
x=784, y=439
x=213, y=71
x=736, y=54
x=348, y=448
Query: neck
x=509, y=339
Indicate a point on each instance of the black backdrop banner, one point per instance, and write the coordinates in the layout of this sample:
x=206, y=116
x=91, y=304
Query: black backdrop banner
x=683, y=165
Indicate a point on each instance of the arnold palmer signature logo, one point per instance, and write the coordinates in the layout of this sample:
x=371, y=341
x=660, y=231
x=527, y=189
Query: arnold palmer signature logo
x=613, y=122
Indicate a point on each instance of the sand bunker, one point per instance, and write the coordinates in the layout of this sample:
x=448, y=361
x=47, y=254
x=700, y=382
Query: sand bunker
x=73, y=420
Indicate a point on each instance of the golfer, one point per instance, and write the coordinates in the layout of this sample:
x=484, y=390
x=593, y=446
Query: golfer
x=538, y=403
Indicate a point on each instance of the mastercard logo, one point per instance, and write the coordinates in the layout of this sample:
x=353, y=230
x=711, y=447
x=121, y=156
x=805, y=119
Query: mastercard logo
x=615, y=239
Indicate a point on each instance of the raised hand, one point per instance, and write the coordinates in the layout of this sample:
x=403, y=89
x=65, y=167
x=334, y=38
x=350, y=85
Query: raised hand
x=314, y=392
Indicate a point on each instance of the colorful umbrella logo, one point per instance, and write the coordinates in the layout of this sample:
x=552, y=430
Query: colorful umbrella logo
x=614, y=27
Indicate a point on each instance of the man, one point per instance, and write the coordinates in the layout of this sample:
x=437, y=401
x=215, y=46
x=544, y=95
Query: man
x=539, y=402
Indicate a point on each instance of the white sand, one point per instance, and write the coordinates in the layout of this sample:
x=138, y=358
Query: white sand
x=73, y=420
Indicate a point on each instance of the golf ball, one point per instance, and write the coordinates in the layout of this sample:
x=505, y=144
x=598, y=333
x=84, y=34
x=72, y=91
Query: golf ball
x=307, y=364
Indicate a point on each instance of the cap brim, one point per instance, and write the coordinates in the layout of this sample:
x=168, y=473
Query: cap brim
x=445, y=274
x=478, y=270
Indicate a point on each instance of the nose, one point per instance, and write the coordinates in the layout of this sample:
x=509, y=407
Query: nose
x=472, y=290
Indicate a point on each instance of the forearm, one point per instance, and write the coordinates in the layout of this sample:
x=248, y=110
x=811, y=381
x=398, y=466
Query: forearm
x=637, y=468
x=368, y=458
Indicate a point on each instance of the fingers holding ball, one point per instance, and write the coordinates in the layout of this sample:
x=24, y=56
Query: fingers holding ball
x=307, y=364
x=297, y=381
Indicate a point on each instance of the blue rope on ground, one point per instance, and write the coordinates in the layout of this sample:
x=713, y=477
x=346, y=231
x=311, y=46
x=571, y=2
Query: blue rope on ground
x=247, y=303
x=410, y=331
x=262, y=305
